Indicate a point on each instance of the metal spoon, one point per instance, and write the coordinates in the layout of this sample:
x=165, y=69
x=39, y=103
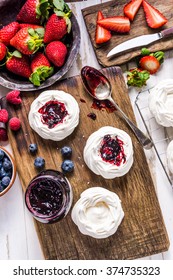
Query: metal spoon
x=99, y=87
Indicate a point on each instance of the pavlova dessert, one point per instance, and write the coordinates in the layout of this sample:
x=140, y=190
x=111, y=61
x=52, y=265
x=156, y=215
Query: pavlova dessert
x=109, y=152
x=98, y=213
x=54, y=114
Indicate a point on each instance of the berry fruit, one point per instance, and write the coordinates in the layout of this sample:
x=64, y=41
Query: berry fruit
x=3, y=134
x=3, y=115
x=39, y=162
x=33, y=148
x=5, y=181
x=66, y=151
x=13, y=97
x=1, y=154
x=67, y=165
x=14, y=124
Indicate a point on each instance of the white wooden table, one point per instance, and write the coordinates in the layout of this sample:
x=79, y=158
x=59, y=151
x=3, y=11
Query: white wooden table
x=18, y=238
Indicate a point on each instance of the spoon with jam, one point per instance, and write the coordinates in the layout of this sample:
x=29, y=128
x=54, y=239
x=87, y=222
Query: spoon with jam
x=99, y=87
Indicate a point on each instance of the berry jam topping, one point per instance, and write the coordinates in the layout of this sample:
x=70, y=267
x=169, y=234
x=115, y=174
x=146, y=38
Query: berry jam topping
x=53, y=113
x=92, y=116
x=103, y=105
x=46, y=198
x=112, y=150
x=93, y=79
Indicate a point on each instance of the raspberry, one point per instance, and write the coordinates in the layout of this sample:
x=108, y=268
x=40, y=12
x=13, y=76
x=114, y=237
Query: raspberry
x=14, y=124
x=3, y=134
x=13, y=97
x=3, y=116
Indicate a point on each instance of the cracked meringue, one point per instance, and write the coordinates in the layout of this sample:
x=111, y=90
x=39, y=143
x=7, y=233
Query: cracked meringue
x=161, y=102
x=54, y=114
x=109, y=152
x=98, y=213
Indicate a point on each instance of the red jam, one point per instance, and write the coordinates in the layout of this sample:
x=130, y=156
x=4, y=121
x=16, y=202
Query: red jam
x=112, y=150
x=53, y=113
x=103, y=105
x=92, y=116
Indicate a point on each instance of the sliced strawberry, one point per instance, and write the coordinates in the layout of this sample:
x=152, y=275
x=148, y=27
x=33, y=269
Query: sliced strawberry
x=154, y=18
x=149, y=63
x=131, y=8
x=118, y=24
x=102, y=35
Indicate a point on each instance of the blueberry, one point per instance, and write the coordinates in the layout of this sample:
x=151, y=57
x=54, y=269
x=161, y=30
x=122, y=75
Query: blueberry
x=66, y=151
x=67, y=165
x=1, y=154
x=0, y=163
x=2, y=172
x=1, y=188
x=5, y=181
x=39, y=162
x=33, y=148
x=7, y=164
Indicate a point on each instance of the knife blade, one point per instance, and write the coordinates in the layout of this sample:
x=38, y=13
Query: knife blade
x=143, y=40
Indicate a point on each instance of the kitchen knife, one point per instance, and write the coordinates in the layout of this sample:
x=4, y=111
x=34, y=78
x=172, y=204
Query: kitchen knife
x=140, y=41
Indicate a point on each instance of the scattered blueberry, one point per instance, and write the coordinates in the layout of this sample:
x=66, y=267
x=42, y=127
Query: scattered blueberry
x=33, y=148
x=5, y=181
x=66, y=151
x=39, y=162
x=7, y=165
x=1, y=154
x=67, y=165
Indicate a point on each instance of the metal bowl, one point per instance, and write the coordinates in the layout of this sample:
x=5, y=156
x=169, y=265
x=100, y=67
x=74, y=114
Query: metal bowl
x=9, y=80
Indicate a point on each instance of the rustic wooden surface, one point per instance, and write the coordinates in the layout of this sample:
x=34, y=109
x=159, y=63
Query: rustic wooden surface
x=142, y=231
x=138, y=27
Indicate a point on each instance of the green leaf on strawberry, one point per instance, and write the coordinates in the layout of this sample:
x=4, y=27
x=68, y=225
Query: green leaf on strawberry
x=59, y=4
x=41, y=75
x=16, y=54
x=137, y=77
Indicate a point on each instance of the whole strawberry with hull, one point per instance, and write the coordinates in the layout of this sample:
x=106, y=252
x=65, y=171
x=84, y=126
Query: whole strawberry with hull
x=34, y=11
x=18, y=64
x=41, y=69
x=59, y=23
x=28, y=40
x=8, y=32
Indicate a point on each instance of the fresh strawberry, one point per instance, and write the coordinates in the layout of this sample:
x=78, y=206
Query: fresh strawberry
x=154, y=18
x=3, y=116
x=56, y=53
x=131, y=8
x=118, y=24
x=14, y=123
x=3, y=51
x=102, y=35
x=3, y=134
x=149, y=63
x=13, y=97
x=41, y=69
x=56, y=28
x=34, y=11
x=8, y=32
x=18, y=64
x=27, y=40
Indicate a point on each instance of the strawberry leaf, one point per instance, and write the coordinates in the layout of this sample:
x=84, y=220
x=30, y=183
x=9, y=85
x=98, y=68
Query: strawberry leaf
x=68, y=22
x=40, y=31
x=31, y=32
x=59, y=4
x=17, y=54
x=137, y=77
x=59, y=13
x=41, y=74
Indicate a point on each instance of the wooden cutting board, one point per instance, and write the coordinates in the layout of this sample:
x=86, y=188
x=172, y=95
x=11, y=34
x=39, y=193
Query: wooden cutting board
x=138, y=27
x=142, y=231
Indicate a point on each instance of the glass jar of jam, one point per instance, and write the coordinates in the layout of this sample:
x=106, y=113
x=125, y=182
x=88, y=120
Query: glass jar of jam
x=49, y=196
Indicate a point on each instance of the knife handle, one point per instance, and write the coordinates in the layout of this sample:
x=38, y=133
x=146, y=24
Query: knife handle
x=167, y=32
